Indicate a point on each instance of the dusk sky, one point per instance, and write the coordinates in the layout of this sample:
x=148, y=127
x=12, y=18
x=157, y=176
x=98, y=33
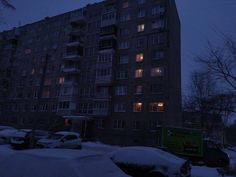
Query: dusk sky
x=201, y=20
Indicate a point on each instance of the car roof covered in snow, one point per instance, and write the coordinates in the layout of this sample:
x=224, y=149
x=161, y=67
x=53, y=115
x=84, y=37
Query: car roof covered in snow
x=145, y=156
x=67, y=133
x=7, y=132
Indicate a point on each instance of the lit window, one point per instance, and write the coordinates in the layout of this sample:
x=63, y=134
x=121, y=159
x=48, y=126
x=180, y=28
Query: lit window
x=137, y=107
x=140, y=28
x=61, y=80
x=125, y=4
x=158, y=71
x=138, y=73
x=157, y=106
x=139, y=57
x=138, y=90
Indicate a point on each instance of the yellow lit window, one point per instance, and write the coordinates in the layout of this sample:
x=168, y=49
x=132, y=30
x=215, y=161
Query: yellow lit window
x=140, y=28
x=137, y=107
x=139, y=57
x=138, y=73
x=157, y=106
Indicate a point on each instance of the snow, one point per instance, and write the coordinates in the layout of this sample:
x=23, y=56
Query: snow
x=8, y=133
x=91, y=161
x=146, y=156
x=56, y=163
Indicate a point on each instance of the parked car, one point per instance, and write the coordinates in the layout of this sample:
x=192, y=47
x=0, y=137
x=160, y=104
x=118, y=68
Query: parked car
x=6, y=135
x=61, y=139
x=214, y=156
x=150, y=162
x=4, y=127
x=21, y=138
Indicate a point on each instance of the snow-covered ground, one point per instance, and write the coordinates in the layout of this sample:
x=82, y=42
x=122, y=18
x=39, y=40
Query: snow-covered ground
x=66, y=159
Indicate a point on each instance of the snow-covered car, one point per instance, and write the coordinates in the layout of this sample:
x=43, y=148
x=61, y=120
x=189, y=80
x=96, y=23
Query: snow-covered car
x=4, y=127
x=6, y=135
x=150, y=162
x=21, y=139
x=57, y=163
x=61, y=139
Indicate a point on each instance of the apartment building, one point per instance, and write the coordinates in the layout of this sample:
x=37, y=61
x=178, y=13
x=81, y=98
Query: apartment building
x=112, y=68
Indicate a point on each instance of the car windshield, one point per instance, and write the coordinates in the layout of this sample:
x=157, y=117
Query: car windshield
x=55, y=136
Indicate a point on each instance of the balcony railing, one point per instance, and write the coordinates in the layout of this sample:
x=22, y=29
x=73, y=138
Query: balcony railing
x=71, y=69
x=103, y=79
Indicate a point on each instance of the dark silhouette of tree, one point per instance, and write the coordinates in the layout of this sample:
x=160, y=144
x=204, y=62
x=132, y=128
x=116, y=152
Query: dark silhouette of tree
x=7, y=4
x=220, y=61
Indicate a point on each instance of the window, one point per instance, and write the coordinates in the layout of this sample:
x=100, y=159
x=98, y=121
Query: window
x=120, y=107
x=61, y=80
x=138, y=90
x=157, y=72
x=124, y=45
x=136, y=125
x=27, y=51
x=140, y=28
x=47, y=81
x=140, y=42
x=121, y=90
x=157, y=24
x=46, y=94
x=124, y=59
x=156, y=88
x=158, y=10
x=157, y=55
x=104, y=72
x=139, y=57
x=105, y=57
x=33, y=71
x=125, y=4
x=125, y=17
x=141, y=13
x=141, y=1
x=100, y=124
x=156, y=106
x=159, y=39
x=64, y=105
x=122, y=75
x=118, y=124
x=137, y=107
x=138, y=73
x=124, y=32
x=44, y=107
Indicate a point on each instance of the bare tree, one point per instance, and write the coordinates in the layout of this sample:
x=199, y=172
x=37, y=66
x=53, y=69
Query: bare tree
x=7, y=4
x=220, y=61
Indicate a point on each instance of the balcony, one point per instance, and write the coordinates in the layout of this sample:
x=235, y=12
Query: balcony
x=78, y=17
x=107, y=44
x=101, y=112
x=74, y=43
x=102, y=96
x=70, y=83
x=71, y=70
x=109, y=19
x=103, y=79
x=72, y=57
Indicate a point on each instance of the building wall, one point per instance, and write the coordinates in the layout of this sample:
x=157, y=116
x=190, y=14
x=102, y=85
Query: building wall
x=97, y=52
